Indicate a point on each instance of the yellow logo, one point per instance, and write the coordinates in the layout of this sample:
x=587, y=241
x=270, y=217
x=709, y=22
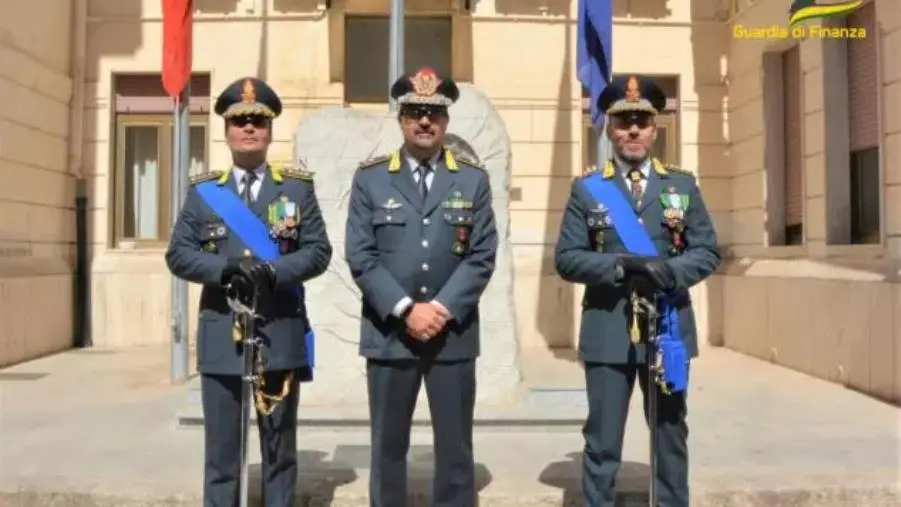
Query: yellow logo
x=805, y=10
x=802, y=10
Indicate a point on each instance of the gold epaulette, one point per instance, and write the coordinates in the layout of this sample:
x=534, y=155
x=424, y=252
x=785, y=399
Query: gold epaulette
x=466, y=159
x=207, y=176
x=298, y=174
x=590, y=170
x=679, y=170
x=374, y=161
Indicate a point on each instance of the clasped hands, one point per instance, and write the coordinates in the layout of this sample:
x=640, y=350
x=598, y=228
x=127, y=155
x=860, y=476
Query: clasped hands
x=648, y=275
x=425, y=320
x=248, y=275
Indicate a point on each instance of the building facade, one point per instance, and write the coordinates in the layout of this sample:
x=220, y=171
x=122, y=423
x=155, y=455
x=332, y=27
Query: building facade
x=796, y=143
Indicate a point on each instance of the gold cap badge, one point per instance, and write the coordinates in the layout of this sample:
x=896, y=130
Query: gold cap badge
x=425, y=83
x=632, y=92
x=248, y=93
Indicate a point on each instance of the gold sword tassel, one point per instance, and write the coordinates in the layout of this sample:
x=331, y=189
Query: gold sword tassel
x=237, y=331
x=266, y=403
x=635, y=331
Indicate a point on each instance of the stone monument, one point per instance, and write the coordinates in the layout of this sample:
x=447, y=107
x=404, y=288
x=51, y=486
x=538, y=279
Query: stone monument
x=332, y=142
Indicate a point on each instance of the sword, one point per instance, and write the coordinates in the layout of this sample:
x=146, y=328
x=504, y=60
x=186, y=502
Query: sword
x=651, y=313
x=248, y=317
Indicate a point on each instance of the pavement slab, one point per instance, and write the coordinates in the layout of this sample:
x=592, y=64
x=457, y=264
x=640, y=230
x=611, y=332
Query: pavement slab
x=98, y=429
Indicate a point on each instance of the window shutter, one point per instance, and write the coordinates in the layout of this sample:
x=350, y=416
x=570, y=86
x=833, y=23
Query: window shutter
x=794, y=117
x=144, y=94
x=863, y=97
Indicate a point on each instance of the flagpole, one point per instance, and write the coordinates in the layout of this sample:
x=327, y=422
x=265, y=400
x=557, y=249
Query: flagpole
x=395, y=46
x=181, y=162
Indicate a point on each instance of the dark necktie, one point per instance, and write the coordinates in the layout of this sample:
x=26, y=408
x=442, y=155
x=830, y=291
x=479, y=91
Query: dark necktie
x=423, y=171
x=635, y=179
x=246, y=192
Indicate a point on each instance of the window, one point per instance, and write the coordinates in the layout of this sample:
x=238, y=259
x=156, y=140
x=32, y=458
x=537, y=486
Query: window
x=865, y=196
x=142, y=164
x=144, y=174
x=427, y=43
x=863, y=122
x=665, y=147
x=793, y=155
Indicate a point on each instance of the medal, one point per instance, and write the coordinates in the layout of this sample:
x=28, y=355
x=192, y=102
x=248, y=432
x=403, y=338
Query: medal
x=599, y=241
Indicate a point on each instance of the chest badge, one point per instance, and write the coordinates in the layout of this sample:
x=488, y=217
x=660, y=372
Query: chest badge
x=458, y=213
x=284, y=219
x=389, y=207
x=675, y=206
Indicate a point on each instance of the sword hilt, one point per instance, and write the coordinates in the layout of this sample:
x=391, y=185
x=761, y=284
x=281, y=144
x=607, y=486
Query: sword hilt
x=233, y=297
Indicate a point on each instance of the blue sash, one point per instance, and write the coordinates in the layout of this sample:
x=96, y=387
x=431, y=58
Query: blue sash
x=254, y=233
x=637, y=241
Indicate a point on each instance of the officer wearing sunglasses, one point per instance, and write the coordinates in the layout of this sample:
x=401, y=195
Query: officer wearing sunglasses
x=421, y=242
x=209, y=249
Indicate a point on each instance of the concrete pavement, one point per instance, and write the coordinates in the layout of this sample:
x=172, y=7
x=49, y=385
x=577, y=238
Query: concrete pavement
x=97, y=428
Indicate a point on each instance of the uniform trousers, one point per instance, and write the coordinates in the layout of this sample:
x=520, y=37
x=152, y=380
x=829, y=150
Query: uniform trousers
x=609, y=388
x=221, y=397
x=393, y=389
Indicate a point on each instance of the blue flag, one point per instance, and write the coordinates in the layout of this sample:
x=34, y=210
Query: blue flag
x=593, y=55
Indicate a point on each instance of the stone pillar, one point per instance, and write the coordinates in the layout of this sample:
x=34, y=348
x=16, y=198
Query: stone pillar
x=332, y=142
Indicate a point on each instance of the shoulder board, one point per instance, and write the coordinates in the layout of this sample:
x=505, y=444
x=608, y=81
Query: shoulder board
x=678, y=170
x=297, y=174
x=374, y=161
x=592, y=169
x=207, y=176
x=462, y=157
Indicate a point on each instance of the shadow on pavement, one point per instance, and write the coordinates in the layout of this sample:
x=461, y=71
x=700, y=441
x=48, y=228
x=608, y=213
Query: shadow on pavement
x=317, y=479
x=567, y=475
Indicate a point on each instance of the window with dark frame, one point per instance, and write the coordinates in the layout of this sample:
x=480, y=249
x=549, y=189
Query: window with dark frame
x=865, y=196
x=427, y=43
x=863, y=116
x=793, y=163
x=141, y=170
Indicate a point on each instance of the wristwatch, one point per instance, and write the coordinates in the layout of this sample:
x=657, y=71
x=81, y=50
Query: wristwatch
x=406, y=313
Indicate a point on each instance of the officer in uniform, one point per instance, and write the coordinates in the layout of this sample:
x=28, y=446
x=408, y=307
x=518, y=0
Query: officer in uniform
x=211, y=248
x=590, y=250
x=421, y=244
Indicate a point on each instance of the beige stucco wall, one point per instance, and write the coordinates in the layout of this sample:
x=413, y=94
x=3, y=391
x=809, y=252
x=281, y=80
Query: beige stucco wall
x=37, y=196
x=824, y=309
x=539, y=102
x=828, y=310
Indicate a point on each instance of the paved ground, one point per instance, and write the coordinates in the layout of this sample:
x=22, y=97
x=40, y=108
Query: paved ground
x=97, y=428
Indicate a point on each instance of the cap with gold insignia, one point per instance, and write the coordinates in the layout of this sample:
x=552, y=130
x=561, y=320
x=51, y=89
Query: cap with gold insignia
x=248, y=96
x=425, y=87
x=632, y=94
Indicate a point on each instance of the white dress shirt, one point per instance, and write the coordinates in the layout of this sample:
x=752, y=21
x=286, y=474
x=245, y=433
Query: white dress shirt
x=413, y=163
x=257, y=183
x=625, y=167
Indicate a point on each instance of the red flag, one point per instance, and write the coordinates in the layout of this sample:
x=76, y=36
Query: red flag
x=177, y=44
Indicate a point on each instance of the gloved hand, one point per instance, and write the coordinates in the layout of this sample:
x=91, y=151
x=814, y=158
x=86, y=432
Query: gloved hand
x=649, y=271
x=232, y=269
x=261, y=275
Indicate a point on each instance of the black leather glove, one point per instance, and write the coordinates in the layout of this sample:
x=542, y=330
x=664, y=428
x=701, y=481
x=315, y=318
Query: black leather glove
x=232, y=269
x=661, y=274
x=261, y=275
x=648, y=273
